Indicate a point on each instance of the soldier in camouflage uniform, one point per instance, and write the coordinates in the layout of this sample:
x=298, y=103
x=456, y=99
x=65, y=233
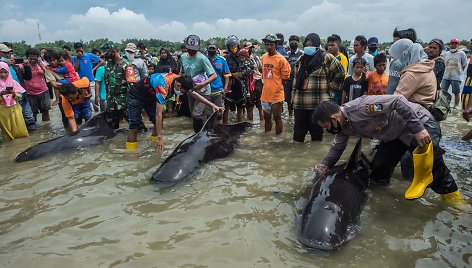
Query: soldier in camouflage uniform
x=117, y=84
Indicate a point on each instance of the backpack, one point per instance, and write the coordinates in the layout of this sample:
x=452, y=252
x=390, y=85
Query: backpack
x=441, y=106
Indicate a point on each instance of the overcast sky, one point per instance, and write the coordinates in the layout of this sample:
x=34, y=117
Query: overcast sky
x=174, y=20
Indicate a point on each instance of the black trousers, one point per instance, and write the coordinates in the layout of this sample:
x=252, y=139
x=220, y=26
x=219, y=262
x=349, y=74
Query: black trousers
x=304, y=124
x=389, y=154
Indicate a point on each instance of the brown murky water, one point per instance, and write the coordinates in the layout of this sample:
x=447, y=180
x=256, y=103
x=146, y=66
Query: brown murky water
x=96, y=208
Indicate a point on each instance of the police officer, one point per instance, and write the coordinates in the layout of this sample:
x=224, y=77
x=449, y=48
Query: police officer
x=398, y=124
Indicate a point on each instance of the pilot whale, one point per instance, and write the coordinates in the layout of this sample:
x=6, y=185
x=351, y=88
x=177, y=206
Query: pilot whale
x=335, y=204
x=211, y=142
x=91, y=133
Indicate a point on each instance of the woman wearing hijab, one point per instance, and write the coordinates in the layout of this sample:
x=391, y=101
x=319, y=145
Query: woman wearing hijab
x=11, y=119
x=167, y=63
x=417, y=79
x=317, y=77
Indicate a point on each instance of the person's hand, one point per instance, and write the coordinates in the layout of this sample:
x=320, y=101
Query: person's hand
x=466, y=114
x=320, y=169
x=160, y=144
x=292, y=99
x=423, y=138
x=97, y=100
x=198, y=86
x=237, y=75
x=80, y=54
x=26, y=63
x=217, y=108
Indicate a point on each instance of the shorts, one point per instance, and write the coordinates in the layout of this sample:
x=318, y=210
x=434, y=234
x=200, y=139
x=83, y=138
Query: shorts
x=39, y=103
x=236, y=97
x=254, y=98
x=267, y=106
x=456, y=85
x=135, y=106
x=82, y=111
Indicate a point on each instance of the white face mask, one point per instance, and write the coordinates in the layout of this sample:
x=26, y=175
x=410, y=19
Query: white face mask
x=130, y=56
x=453, y=50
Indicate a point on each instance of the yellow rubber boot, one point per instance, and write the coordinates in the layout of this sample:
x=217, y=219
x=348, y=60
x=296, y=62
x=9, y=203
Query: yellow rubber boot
x=131, y=145
x=423, y=158
x=453, y=198
x=154, y=138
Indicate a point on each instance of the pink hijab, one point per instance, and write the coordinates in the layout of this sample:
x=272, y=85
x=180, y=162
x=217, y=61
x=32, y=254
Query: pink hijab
x=8, y=99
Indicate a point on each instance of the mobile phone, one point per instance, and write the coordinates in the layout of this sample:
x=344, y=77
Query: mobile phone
x=19, y=60
x=9, y=89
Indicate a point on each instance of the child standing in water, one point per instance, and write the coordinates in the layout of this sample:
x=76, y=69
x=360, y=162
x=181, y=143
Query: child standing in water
x=355, y=85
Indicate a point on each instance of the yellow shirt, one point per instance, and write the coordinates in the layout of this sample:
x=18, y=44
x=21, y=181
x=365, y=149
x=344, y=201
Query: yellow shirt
x=274, y=69
x=344, y=62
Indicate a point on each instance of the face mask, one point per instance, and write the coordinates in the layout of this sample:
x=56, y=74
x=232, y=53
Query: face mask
x=211, y=53
x=453, y=50
x=4, y=59
x=293, y=47
x=130, y=56
x=234, y=50
x=310, y=51
x=334, y=130
x=192, y=52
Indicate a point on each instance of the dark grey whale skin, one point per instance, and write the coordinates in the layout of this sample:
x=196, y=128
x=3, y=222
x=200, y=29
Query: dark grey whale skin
x=91, y=133
x=335, y=204
x=212, y=142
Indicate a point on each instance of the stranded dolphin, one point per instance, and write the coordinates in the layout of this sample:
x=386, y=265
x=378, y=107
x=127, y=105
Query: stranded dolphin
x=335, y=204
x=92, y=133
x=212, y=142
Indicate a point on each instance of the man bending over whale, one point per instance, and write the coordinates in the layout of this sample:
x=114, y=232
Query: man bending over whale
x=151, y=94
x=400, y=125
x=75, y=102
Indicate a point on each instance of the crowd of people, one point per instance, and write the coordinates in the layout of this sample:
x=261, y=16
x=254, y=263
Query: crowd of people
x=322, y=86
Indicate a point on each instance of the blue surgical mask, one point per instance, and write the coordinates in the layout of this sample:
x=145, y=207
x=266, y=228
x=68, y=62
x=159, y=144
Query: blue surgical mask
x=310, y=51
x=4, y=59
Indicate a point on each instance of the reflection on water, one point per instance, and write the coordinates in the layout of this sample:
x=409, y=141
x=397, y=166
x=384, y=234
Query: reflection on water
x=95, y=207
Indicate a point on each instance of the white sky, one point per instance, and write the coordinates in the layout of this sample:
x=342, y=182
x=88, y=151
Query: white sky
x=174, y=20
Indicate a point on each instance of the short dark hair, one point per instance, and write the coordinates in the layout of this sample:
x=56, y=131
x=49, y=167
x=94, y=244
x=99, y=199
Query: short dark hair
x=281, y=39
x=294, y=37
x=333, y=38
x=78, y=45
x=359, y=61
x=50, y=54
x=379, y=58
x=409, y=33
x=95, y=51
x=141, y=45
x=32, y=51
x=185, y=81
x=337, y=37
x=64, y=55
x=324, y=111
x=66, y=47
x=361, y=39
x=67, y=89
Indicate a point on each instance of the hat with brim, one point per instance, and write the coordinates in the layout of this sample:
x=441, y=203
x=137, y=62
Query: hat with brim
x=270, y=38
x=454, y=40
x=248, y=44
x=192, y=42
x=131, y=47
x=5, y=49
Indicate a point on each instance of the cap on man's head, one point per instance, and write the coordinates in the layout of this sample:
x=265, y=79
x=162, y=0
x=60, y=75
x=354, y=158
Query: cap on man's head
x=373, y=41
x=4, y=48
x=244, y=52
x=294, y=38
x=131, y=47
x=212, y=43
x=247, y=44
x=192, y=42
x=108, y=45
x=270, y=38
x=454, y=40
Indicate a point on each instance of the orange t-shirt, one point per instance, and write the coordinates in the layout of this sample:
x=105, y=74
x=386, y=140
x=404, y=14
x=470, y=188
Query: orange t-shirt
x=274, y=69
x=377, y=83
x=84, y=85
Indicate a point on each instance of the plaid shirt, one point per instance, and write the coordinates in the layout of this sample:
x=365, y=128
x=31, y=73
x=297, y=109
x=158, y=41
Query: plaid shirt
x=318, y=90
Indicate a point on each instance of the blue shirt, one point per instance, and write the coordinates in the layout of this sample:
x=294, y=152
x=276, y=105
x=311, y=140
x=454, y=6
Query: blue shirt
x=222, y=69
x=282, y=51
x=13, y=74
x=86, y=65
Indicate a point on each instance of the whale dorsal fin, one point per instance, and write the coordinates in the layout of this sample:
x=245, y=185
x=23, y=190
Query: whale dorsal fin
x=354, y=158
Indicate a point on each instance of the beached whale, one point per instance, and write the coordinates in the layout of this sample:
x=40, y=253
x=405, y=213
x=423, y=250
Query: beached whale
x=332, y=212
x=91, y=133
x=212, y=142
